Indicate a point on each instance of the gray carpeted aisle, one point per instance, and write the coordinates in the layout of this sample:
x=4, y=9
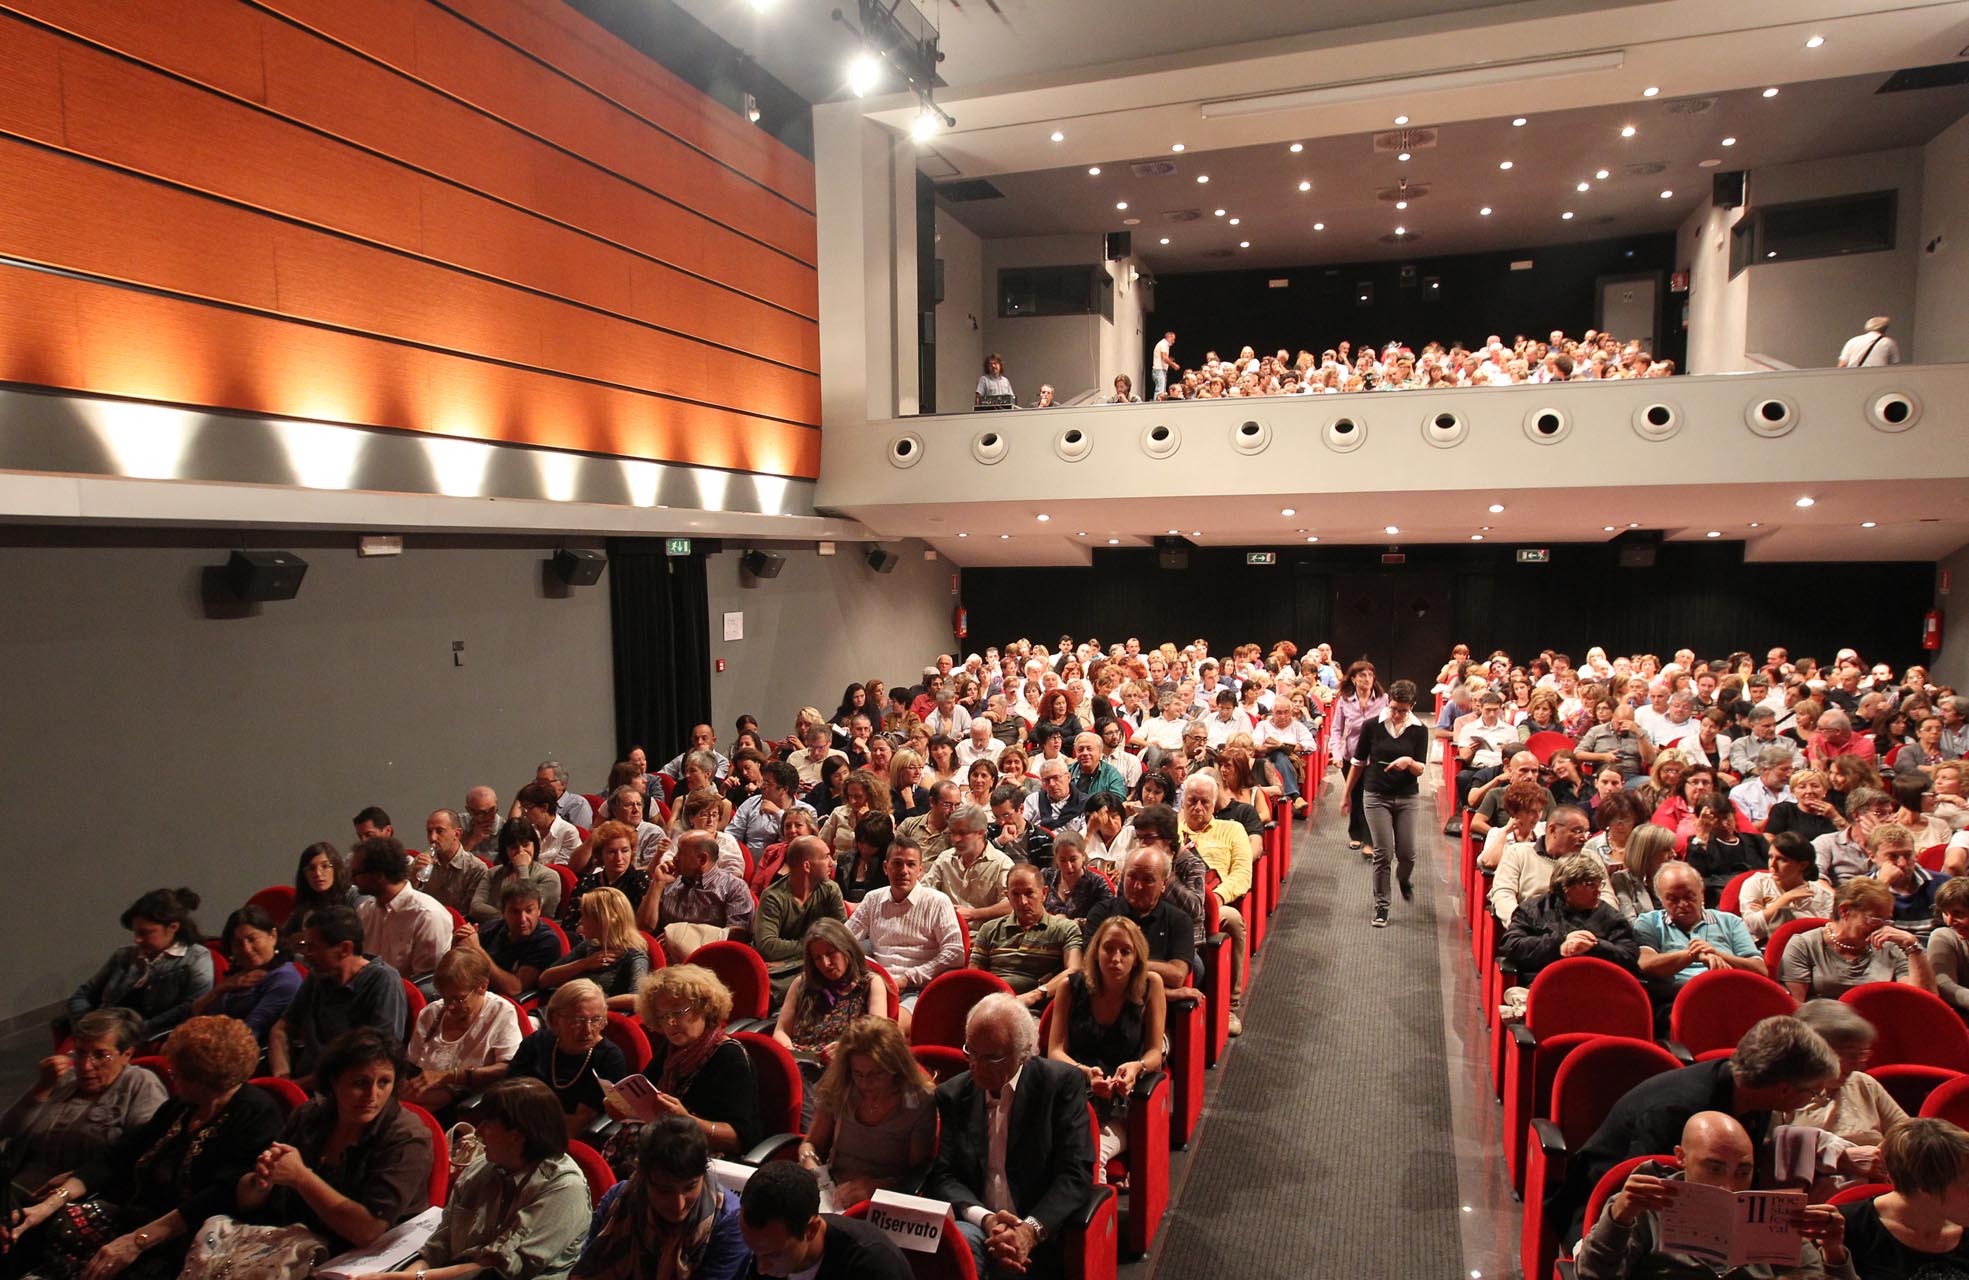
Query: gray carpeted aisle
x=1327, y=1148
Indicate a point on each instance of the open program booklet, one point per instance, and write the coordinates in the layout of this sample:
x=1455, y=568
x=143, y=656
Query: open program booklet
x=1735, y=1228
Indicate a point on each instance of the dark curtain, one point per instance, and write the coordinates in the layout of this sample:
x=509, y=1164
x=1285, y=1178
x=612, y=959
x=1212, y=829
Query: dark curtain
x=659, y=617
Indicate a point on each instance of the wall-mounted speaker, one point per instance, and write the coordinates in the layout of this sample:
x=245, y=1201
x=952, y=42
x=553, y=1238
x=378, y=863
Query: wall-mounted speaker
x=763, y=564
x=1726, y=189
x=882, y=561
x=1119, y=245
x=579, y=566
x=1638, y=548
x=265, y=575
x=1172, y=553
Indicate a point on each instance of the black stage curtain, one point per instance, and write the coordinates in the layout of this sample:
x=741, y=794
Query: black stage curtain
x=659, y=616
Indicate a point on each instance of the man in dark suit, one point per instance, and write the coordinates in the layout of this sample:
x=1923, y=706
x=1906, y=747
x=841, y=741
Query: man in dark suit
x=780, y=1219
x=1015, y=1158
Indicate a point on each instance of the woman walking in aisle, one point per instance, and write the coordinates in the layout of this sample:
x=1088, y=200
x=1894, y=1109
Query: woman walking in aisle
x=1387, y=761
x=1363, y=701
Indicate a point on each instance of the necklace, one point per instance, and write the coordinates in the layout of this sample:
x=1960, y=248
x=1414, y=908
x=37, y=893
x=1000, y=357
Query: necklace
x=554, y=1078
x=1843, y=948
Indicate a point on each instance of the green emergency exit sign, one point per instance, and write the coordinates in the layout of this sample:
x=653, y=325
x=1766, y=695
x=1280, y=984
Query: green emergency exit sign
x=1534, y=555
x=676, y=546
x=1261, y=557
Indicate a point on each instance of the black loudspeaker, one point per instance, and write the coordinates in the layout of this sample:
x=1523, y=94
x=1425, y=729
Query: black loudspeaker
x=1726, y=189
x=763, y=564
x=265, y=575
x=882, y=561
x=1172, y=553
x=1638, y=548
x=579, y=566
x=1120, y=244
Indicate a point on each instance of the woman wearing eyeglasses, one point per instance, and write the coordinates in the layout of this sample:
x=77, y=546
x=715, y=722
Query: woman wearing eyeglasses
x=571, y=1055
x=81, y=1102
x=699, y=1071
x=1858, y=945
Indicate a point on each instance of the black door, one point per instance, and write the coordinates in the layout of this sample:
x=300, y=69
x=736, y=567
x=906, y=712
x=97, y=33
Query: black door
x=1396, y=617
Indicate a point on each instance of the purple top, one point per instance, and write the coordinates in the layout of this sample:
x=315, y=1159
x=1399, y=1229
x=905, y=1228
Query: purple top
x=1348, y=717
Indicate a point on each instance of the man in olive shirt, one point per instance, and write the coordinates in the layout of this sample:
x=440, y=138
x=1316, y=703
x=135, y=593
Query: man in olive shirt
x=1029, y=947
x=806, y=893
x=931, y=831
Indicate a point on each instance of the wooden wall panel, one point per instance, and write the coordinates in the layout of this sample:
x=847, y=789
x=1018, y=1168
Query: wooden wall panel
x=65, y=332
x=663, y=247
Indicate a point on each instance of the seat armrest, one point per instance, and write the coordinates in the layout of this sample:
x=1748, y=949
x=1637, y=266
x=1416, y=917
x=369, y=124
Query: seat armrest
x=1551, y=1140
x=1522, y=1038
x=767, y=1149
x=1680, y=1050
x=1097, y=1196
x=1145, y=1084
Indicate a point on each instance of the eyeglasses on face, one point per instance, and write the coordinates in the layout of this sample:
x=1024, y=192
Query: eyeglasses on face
x=585, y=1020
x=987, y=1059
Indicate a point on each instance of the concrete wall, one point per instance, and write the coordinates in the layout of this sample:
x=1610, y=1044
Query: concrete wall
x=1951, y=665
x=1065, y=351
x=1121, y=341
x=961, y=314
x=208, y=753
x=1803, y=312
x=1718, y=306
x=1941, y=295
x=824, y=622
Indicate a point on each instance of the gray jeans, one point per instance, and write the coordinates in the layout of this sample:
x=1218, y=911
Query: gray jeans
x=1395, y=823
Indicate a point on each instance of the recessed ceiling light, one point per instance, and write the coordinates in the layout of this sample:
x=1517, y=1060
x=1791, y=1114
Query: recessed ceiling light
x=1401, y=231
x=1305, y=186
x=1518, y=123
x=1504, y=164
x=1584, y=186
x=1058, y=136
x=1177, y=146
x=1131, y=222
x=1867, y=524
x=1566, y=216
x=1484, y=527
x=1121, y=204
x=1668, y=195
x=1093, y=171
x=1391, y=529
x=1235, y=221
x=1165, y=239
x=1772, y=254
x=1114, y=542
x=1042, y=517
x=1771, y=92
x=1401, y=204
x=1314, y=538
x=1401, y=119
x=1484, y=212
x=1299, y=531
x=1287, y=511
x=1729, y=142
x=1219, y=213
x=1319, y=226
x=1651, y=91
x=1196, y=533
x=1403, y=157
x=1476, y=537
x=1296, y=148
x=1629, y=131
x=1713, y=533
x=1172, y=533
x=963, y=535
x=1708, y=164
x=1004, y=537
x=1203, y=177
x=1804, y=502
x=1815, y=42
x=1606, y=528
x=1244, y=244
x=1081, y=534
x=1496, y=508
x=1633, y=524
x=1753, y=524
x=1602, y=174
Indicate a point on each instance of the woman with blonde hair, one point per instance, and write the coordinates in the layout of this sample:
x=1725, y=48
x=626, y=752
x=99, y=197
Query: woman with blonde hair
x=1664, y=777
x=908, y=795
x=875, y=1122
x=1860, y=944
x=862, y=794
x=612, y=952
x=1108, y=1020
x=462, y=1041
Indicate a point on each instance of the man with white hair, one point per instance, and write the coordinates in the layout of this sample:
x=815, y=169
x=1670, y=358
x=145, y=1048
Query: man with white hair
x=568, y=804
x=1231, y=851
x=979, y=742
x=948, y=718
x=1870, y=347
x=1015, y=1157
x=1679, y=725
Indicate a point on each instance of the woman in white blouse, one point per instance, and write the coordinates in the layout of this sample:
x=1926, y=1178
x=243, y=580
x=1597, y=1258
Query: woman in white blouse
x=463, y=1041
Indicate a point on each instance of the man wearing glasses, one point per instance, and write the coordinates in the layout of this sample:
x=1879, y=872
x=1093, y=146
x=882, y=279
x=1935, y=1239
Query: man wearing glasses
x=1015, y=1157
x=1682, y=939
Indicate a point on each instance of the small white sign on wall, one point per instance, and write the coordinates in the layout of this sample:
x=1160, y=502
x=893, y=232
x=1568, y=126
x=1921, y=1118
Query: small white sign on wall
x=735, y=626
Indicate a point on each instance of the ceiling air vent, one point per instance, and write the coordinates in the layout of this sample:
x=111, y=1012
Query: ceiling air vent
x=1153, y=169
x=1645, y=169
x=1395, y=140
x=1408, y=191
x=1181, y=215
x=969, y=190
x=1409, y=238
x=1690, y=106
x=1940, y=76
x=1218, y=253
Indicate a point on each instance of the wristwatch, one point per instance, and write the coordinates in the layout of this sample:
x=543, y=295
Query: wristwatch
x=1038, y=1227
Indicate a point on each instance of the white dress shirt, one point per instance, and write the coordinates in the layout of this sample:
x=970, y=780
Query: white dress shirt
x=914, y=939
x=408, y=933
x=560, y=842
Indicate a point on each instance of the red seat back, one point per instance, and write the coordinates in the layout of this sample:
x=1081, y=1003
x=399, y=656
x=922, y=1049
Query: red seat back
x=743, y=973
x=1950, y=1102
x=440, y=1153
x=1613, y=1179
x=277, y=900
x=951, y=1261
x=1915, y=1026
x=594, y=1168
x=1865, y=1191
x=941, y=1061
x=1732, y=899
x=1543, y=743
x=557, y=931
x=158, y=1065
x=568, y=881
x=1595, y=1076
x=1714, y=1008
x=1782, y=936
x=945, y=1003
x=1931, y=857
x=656, y=957
x=776, y=1076
x=414, y=998
x=626, y=1034
x=286, y=1094
x=895, y=994
x=1585, y=993
x=1910, y=1084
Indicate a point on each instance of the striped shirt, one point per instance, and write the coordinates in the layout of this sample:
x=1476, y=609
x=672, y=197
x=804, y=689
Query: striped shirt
x=1024, y=957
x=914, y=939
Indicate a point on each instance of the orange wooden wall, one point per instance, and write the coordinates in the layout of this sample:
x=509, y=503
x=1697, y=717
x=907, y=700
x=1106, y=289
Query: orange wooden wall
x=485, y=218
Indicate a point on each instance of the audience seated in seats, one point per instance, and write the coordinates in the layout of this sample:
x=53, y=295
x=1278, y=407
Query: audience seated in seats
x=130, y=1211
x=1780, y=1064
x=1856, y=946
x=521, y=1210
x=1231, y=851
x=770, y=865
x=1015, y=1158
x=1616, y=817
x=909, y=929
x=1107, y=832
x=444, y=870
x=82, y=1102
x=1092, y=771
x=611, y=952
x=463, y=1039
x=1808, y=812
x=755, y=823
x=1525, y=869
x=1053, y=807
x=519, y=844
x=1009, y=828
x=703, y=739
x=1788, y=889
x=909, y=789
x=1682, y=938
x=787, y=1234
x=350, y=1163
x=403, y=927
x=520, y=944
x=345, y=990
x=704, y=810
x=1890, y=847
x=864, y=869
x=816, y=747
x=695, y=901
x=1491, y=803
x=1072, y=887
x=1028, y=947
x=567, y=804
x=980, y=741
x=320, y=880
x=671, y=1218
x=1108, y=1021
x=165, y=967
x=931, y=831
x=262, y=979
x=1569, y=917
x=1768, y=784
x=482, y=823
x=971, y=873
x=556, y=837
x=613, y=845
x=874, y=1123
x=627, y=806
x=1167, y=929
x=807, y=893
x=571, y=1054
x=1916, y=1229
x=1714, y=1151
x=1618, y=741
x=371, y=821
x=1911, y=796
x=862, y=793
x=1853, y=1117
x=1948, y=953
x=701, y=1074
x=833, y=988
x=1718, y=850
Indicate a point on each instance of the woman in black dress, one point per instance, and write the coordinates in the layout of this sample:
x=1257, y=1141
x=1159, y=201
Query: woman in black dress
x=1392, y=753
x=1108, y=1021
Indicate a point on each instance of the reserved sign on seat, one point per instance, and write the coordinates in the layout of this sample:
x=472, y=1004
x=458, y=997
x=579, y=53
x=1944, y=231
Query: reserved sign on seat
x=911, y=1221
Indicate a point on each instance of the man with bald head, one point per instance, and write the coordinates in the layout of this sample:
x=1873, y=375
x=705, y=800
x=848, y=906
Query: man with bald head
x=481, y=822
x=1488, y=800
x=703, y=738
x=806, y=893
x=1715, y=1151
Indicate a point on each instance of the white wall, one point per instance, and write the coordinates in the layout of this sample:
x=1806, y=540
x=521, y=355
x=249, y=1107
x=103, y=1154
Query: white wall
x=1121, y=341
x=1951, y=665
x=1065, y=351
x=824, y=622
x=1941, y=295
x=961, y=314
x=1718, y=306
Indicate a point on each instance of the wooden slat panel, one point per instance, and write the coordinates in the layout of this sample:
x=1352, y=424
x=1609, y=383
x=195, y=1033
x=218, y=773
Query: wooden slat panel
x=461, y=60
x=32, y=102
x=136, y=118
x=221, y=48
x=116, y=226
x=553, y=31
x=59, y=331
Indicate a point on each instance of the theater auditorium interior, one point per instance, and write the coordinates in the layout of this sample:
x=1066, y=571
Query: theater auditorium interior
x=524, y=418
